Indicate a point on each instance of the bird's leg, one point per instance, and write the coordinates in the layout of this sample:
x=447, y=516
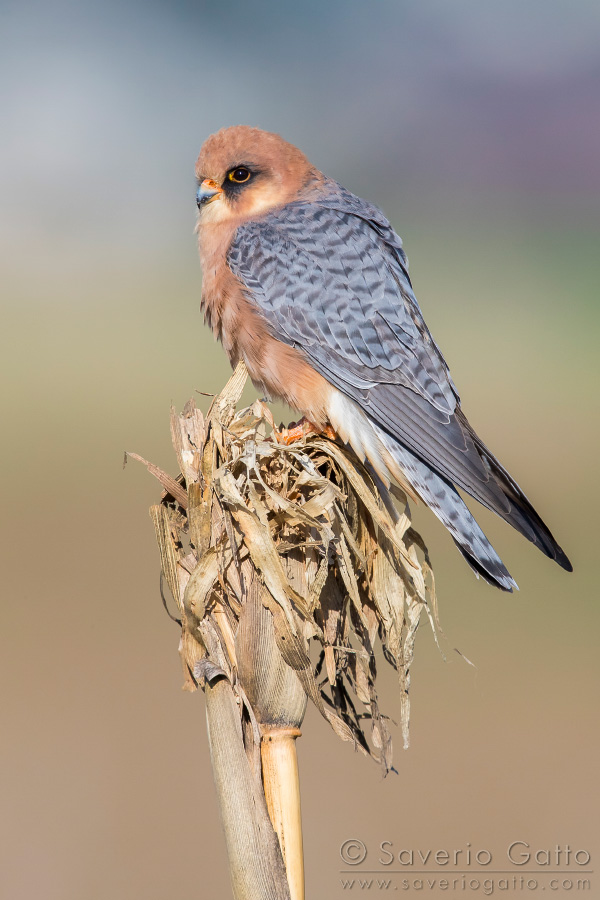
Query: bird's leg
x=301, y=430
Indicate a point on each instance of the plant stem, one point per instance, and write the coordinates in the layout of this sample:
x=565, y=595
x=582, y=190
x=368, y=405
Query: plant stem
x=282, y=792
x=255, y=860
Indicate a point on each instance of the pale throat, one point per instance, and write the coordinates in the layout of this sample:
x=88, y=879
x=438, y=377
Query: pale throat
x=256, y=202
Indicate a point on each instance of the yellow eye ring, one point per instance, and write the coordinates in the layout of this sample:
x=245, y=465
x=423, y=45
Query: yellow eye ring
x=239, y=175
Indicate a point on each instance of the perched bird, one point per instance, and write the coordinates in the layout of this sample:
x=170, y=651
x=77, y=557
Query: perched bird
x=308, y=284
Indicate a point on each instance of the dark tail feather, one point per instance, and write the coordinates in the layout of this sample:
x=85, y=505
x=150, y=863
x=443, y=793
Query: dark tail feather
x=521, y=514
x=444, y=500
x=503, y=582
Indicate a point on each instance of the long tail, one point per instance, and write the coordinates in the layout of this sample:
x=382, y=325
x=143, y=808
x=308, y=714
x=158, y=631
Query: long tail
x=502, y=494
x=518, y=511
x=444, y=500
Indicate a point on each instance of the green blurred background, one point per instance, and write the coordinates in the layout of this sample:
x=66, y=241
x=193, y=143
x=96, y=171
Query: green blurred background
x=475, y=126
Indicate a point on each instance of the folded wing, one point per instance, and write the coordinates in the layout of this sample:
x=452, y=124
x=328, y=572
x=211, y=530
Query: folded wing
x=331, y=280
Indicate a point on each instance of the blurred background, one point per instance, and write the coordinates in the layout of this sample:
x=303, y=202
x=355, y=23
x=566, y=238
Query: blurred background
x=476, y=127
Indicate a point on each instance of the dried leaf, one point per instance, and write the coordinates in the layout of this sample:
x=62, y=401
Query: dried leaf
x=170, y=484
x=337, y=563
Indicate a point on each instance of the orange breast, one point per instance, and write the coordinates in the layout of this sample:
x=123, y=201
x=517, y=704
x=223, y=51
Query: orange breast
x=274, y=367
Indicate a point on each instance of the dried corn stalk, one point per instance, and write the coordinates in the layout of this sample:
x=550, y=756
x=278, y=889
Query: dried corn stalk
x=310, y=534
x=310, y=506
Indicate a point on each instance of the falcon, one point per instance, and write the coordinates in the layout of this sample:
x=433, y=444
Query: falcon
x=308, y=285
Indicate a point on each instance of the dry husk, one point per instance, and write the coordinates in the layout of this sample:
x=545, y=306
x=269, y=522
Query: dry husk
x=340, y=566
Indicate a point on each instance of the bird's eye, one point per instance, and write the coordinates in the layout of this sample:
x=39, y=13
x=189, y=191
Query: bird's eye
x=239, y=175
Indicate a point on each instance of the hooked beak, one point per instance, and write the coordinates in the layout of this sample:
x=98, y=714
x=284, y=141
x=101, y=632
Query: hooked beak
x=207, y=191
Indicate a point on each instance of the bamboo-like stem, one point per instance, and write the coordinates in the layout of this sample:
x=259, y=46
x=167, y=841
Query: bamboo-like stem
x=264, y=550
x=282, y=792
x=279, y=702
x=255, y=859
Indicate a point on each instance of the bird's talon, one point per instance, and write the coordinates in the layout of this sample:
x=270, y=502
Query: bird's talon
x=301, y=430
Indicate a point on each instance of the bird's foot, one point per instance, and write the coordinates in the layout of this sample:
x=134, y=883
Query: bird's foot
x=300, y=430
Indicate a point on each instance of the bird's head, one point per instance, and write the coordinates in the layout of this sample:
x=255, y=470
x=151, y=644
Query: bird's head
x=244, y=172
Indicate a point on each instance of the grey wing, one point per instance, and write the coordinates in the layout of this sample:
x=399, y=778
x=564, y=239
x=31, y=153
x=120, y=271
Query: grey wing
x=330, y=284
x=331, y=279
